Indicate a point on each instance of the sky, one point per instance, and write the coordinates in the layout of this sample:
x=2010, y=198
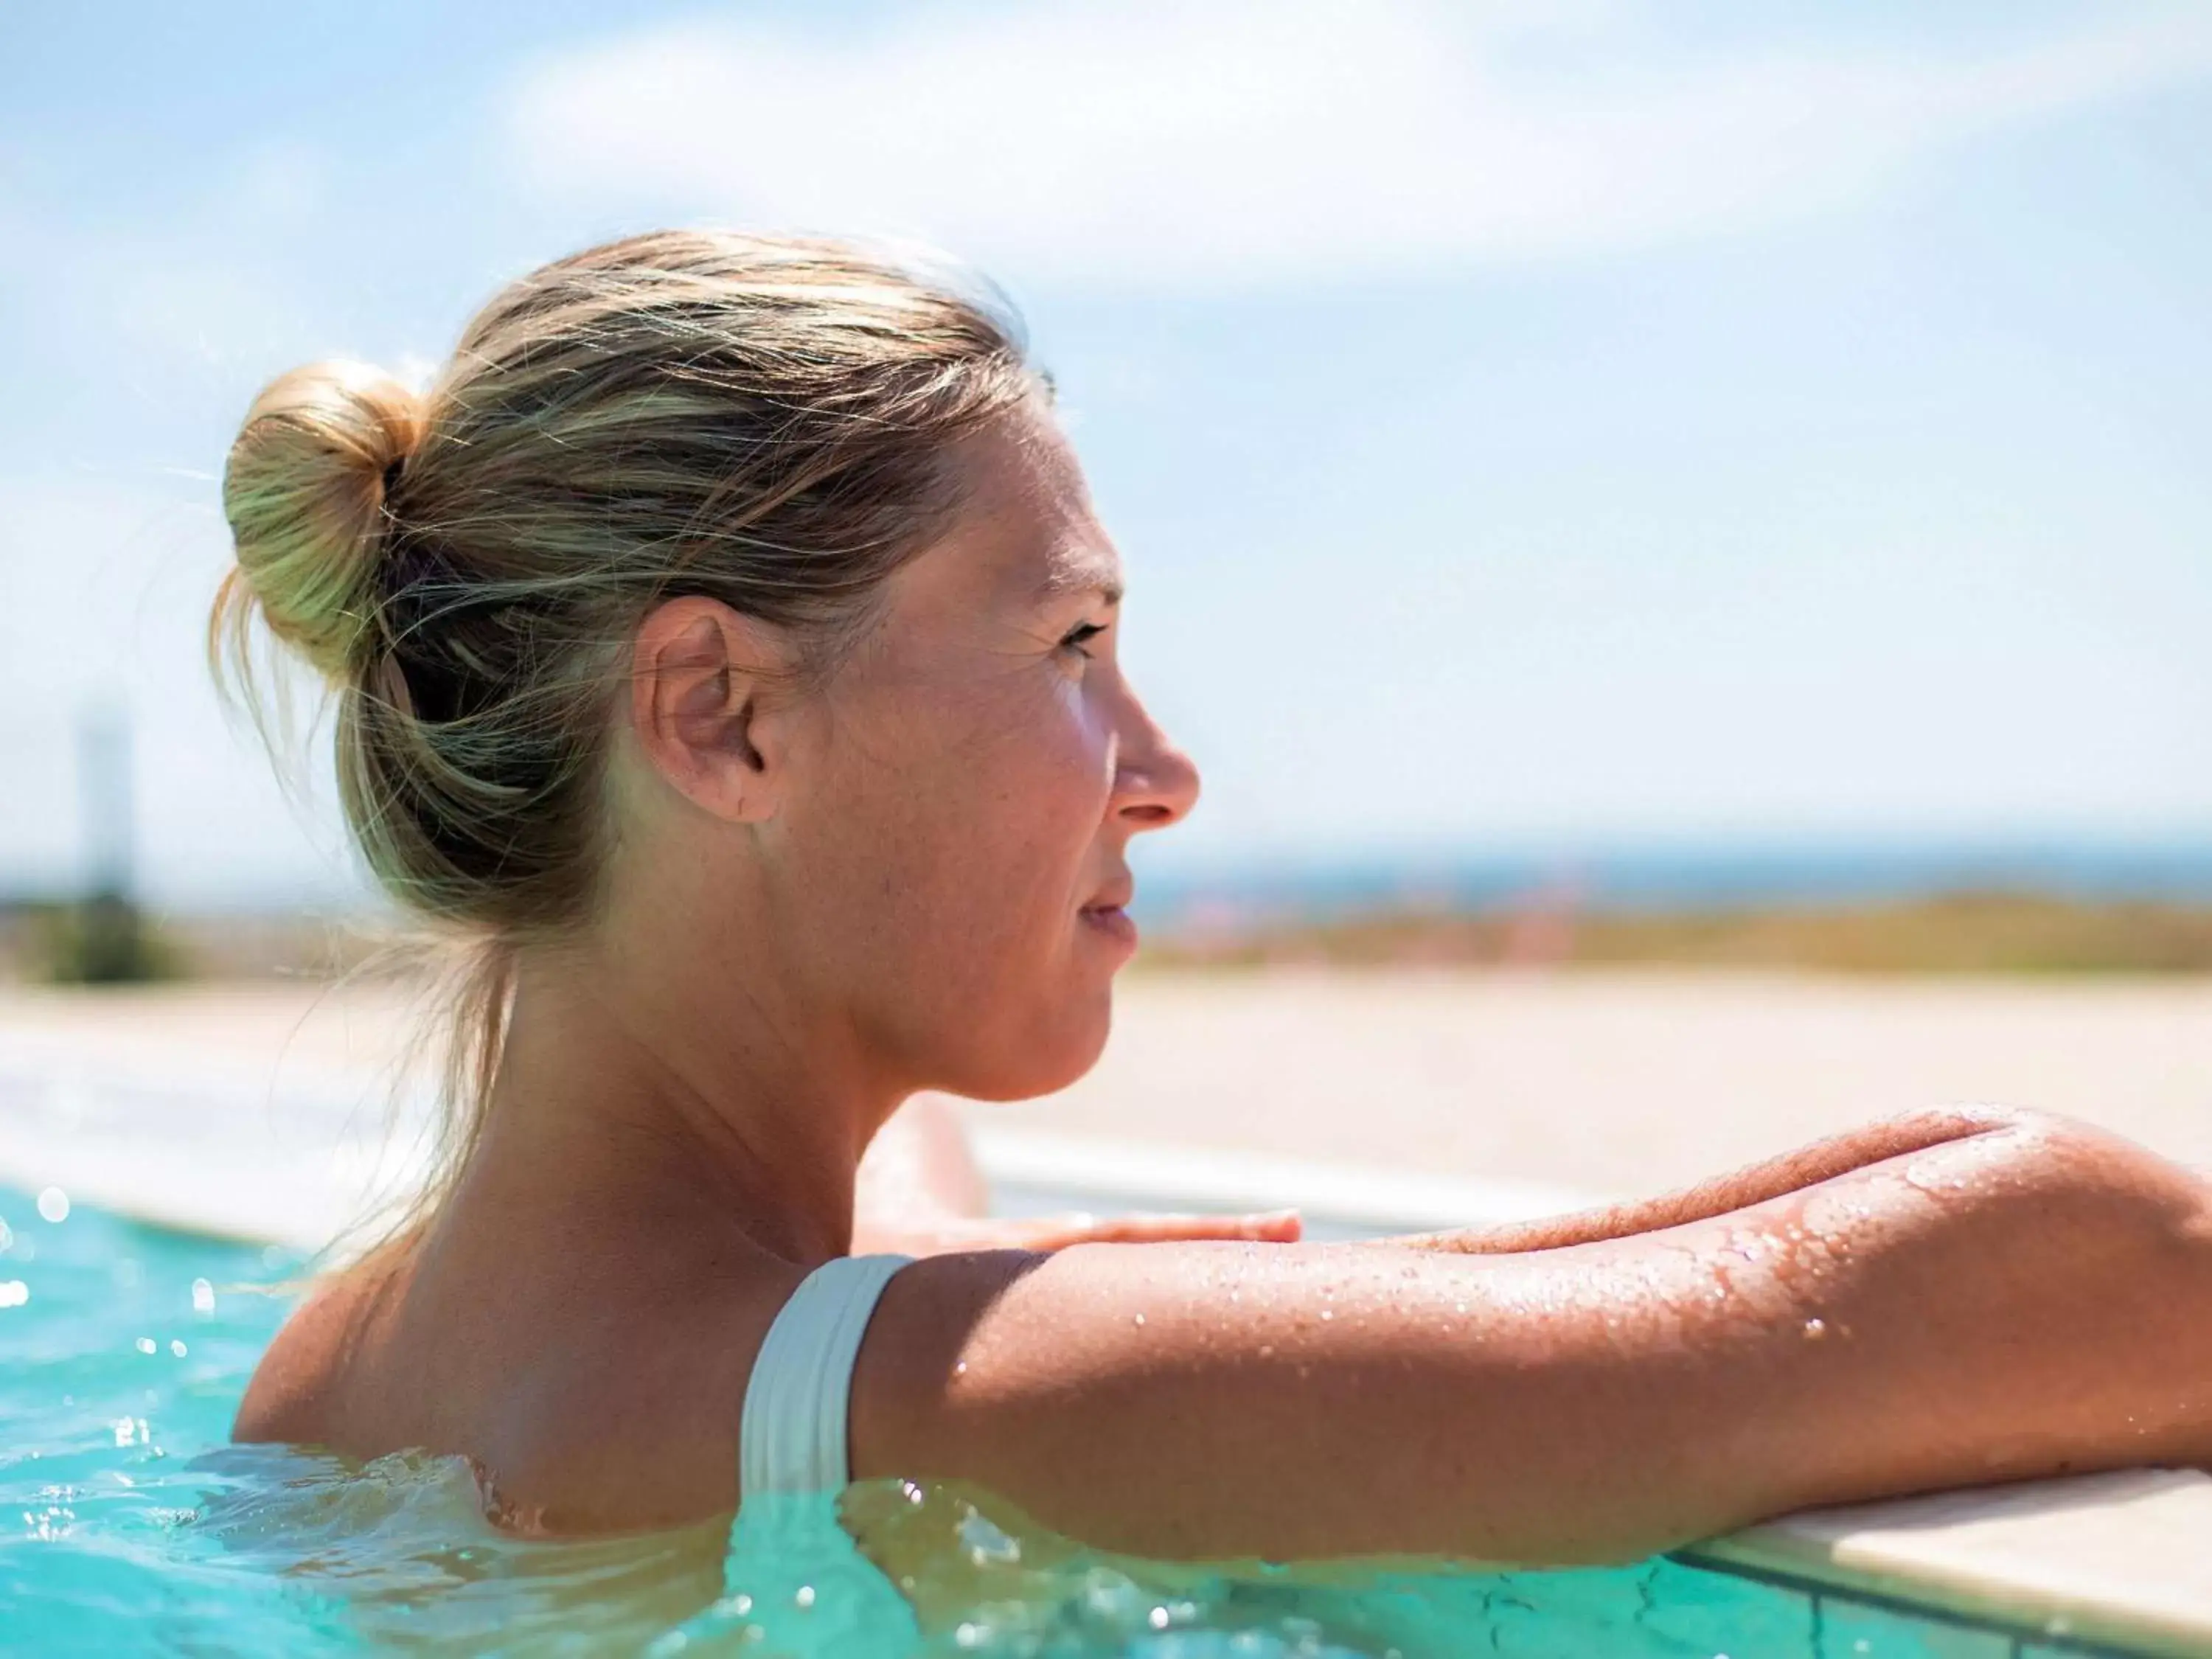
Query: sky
x=1525, y=425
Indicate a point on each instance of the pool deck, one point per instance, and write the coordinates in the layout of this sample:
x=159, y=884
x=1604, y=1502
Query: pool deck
x=1393, y=1099
x=1592, y=1084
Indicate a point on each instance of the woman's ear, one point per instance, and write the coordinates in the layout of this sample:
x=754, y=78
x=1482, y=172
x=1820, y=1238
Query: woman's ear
x=700, y=676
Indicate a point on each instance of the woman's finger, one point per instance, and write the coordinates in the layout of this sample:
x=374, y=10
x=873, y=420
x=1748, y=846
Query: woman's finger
x=1275, y=1227
x=1057, y=1232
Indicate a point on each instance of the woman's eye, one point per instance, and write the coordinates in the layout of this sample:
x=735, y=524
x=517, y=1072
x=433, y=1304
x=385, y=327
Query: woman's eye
x=1081, y=635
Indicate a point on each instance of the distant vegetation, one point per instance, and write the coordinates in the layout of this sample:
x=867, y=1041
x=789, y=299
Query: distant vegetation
x=1959, y=933
x=1992, y=932
x=103, y=942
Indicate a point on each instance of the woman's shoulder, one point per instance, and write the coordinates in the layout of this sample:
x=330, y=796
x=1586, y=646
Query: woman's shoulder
x=297, y=1391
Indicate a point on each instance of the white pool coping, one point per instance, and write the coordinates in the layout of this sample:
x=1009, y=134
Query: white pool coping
x=2120, y=1560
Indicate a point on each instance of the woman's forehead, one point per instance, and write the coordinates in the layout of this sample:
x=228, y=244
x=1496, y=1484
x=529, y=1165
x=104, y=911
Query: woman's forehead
x=1026, y=530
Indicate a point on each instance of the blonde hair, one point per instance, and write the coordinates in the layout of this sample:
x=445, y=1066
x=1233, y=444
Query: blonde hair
x=760, y=420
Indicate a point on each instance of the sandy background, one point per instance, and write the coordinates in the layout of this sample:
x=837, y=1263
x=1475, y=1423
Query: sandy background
x=1607, y=1084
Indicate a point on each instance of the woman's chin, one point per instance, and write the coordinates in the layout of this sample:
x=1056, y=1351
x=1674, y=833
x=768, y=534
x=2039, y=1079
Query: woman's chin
x=1060, y=1048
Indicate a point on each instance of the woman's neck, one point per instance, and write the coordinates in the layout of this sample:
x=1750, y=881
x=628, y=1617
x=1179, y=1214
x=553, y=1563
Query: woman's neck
x=639, y=1106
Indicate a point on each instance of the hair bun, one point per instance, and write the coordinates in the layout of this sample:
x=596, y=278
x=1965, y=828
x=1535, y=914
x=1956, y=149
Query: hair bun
x=304, y=491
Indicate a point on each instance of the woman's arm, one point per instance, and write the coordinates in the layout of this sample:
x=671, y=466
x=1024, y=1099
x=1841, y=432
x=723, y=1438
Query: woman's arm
x=1756, y=1183
x=2025, y=1299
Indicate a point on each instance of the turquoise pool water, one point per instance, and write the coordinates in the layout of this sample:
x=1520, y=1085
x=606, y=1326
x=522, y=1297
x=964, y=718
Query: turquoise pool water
x=128, y=1526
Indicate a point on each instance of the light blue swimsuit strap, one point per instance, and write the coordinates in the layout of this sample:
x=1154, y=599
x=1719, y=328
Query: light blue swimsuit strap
x=794, y=1435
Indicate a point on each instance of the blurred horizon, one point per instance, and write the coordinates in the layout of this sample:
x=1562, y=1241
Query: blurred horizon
x=1627, y=875
x=1539, y=436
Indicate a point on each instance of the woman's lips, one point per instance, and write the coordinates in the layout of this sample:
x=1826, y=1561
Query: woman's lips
x=1113, y=921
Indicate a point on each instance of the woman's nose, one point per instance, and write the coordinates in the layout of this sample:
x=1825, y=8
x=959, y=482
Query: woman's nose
x=1155, y=783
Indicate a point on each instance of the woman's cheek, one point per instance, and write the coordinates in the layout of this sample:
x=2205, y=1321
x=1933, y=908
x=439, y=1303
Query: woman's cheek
x=1090, y=756
x=1066, y=757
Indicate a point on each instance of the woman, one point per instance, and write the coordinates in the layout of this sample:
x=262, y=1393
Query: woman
x=726, y=644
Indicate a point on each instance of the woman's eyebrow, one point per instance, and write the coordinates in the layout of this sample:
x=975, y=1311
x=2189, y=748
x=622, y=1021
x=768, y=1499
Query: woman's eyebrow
x=1083, y=573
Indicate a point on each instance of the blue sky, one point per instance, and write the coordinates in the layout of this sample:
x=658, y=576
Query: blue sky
x=1526, y=425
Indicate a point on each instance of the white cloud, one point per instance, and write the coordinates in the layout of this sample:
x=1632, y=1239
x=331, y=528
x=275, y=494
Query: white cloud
x=1122, y=142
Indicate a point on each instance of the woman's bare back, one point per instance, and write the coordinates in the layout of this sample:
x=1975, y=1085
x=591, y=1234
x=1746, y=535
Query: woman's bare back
x=590, y=1398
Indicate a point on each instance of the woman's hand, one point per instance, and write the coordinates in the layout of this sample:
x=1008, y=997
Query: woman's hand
x=942, y=1234
x=918, y=1193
